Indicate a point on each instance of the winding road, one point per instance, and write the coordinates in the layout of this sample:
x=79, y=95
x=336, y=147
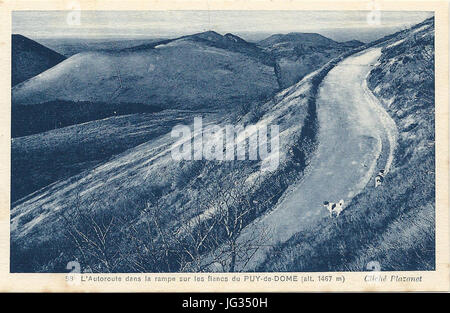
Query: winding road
x=356, y=139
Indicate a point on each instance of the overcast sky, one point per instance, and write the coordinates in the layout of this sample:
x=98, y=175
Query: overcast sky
x=342, y=25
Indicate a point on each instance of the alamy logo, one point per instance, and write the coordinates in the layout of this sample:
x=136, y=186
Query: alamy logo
x=232, y=142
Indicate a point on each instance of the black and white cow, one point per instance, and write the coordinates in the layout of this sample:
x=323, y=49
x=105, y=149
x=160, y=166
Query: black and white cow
x=334, y=207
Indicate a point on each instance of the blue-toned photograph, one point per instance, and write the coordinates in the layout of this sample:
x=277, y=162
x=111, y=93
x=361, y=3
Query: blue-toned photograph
x=222, y=141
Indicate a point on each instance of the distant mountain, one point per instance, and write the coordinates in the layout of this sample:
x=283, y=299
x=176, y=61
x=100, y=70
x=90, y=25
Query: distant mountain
x=205, y=70
x=211, y=38
x=298, y=54
x=298, y=39
x=30, y=58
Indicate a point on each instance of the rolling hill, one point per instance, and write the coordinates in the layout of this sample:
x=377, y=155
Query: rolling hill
x=41, y=159
x=298, y=54
x=30, y=58
x=200, y=71
x=204, y=70
x=123, y=185
x=126, y=182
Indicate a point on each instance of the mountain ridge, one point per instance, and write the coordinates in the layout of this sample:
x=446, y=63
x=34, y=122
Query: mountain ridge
x=297, y=37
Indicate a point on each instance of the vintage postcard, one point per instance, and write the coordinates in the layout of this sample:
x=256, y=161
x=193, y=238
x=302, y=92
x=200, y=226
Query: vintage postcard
x=224, y=146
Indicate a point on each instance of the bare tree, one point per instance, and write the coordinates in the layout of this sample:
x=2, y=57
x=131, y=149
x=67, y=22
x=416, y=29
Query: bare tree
x=93, y=237
x=157, y=239
x=233, y=210
x=208, y=237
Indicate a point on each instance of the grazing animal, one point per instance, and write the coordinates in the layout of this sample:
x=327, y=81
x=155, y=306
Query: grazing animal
x=334, y=207
x=379, y=178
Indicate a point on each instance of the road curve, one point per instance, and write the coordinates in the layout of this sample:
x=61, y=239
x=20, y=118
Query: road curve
x=356, y=138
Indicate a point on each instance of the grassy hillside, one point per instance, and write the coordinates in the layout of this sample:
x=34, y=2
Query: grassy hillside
x=298, y=54
x=32, y=119
x=112, y=197
x=144, y=186
x=42, y=159
x=205, y=70
x=29, y=58
x=393, y=224
x=129, y=156
x=191, y=72
x=144, y=183
x=211, y=38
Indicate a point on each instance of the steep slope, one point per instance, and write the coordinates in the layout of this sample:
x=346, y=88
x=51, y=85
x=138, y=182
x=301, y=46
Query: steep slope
x=189, y=72
x=297, y=54
x=146, y=180
x=143, y=185
x=33, y=119
x=393, y=224
x=353, y=141
x=29, y=58
x=42, y=159
x=404, y=79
